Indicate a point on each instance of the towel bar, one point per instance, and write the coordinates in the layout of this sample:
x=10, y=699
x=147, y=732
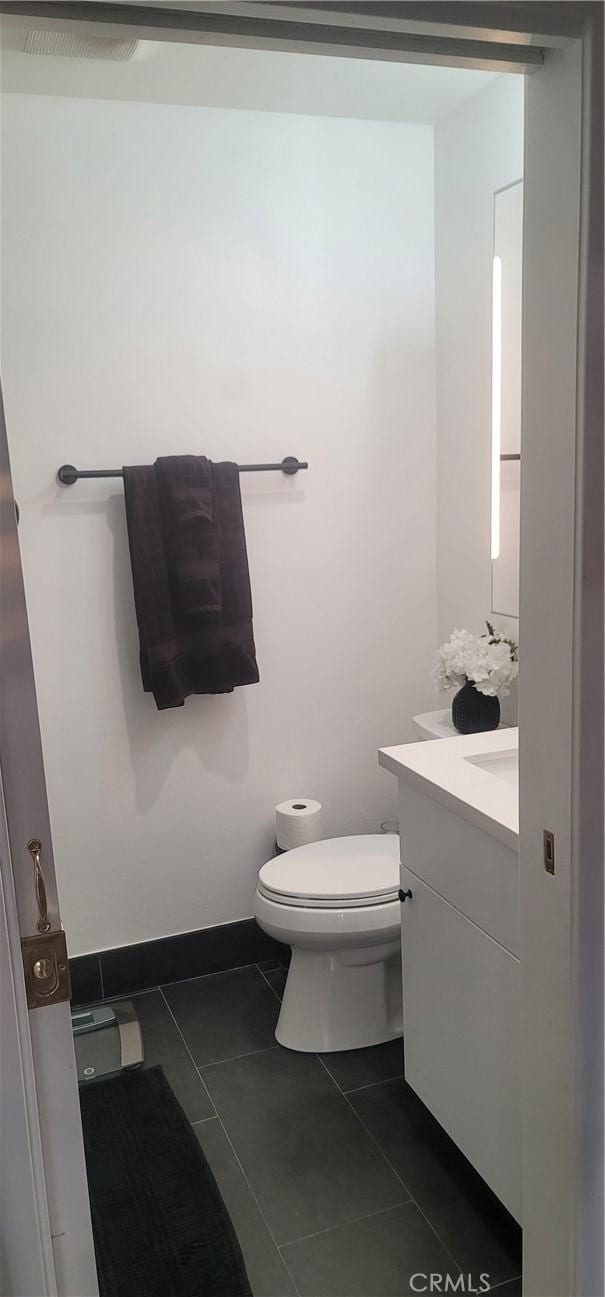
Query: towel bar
x=67, y=474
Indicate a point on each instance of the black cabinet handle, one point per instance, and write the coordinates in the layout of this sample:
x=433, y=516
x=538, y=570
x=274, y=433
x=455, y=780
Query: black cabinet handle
x=403, y=896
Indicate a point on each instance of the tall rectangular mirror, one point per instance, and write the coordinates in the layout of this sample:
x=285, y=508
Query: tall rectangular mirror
x=506, y=397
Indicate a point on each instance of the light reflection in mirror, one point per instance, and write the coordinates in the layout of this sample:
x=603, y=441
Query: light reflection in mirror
x=506, y=398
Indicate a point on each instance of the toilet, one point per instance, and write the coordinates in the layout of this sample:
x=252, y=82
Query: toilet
x=336, y=904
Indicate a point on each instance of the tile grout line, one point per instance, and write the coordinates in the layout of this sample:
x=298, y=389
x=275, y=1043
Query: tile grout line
x=279, y=1247
x=258, y=1205
x=367, y=1085
x=371, y=1136
x=395, y=1172
x=504, y=1282
x=344, y=1224
x=343, y=1093
x=145, y=990
x=229, y=1140
x=132, y=995
x=235, y=1058
x=182, y=981
x=112, y=999
x=202, y=1120
x=353, y=1221
x=326, y=1069
x=226, y=1134
x=201, y=1079
x=302, y=1238
x=266, y=980
x=412, y=1199
x=354, y=1089
x=142, y=990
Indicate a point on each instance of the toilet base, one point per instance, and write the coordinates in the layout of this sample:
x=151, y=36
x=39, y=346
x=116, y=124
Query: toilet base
x=341, y=999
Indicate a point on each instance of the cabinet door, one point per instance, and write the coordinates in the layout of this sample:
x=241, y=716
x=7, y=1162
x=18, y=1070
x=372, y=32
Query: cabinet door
x=463, y=863
x=461, y=1029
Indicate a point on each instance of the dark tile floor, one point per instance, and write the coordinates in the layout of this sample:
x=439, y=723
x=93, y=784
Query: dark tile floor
x=338, y=1181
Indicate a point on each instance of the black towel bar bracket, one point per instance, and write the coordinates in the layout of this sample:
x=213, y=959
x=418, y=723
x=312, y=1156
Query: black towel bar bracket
x=67, y=474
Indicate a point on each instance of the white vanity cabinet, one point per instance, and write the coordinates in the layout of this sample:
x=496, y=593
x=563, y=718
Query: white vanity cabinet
x=460, y=946
x=461, y=1033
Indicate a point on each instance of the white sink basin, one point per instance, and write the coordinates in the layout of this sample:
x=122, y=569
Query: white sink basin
x=504, y=765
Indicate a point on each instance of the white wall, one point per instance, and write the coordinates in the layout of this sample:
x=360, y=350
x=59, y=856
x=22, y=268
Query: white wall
x=478, y=149
x=245, y=285
x=214, y=76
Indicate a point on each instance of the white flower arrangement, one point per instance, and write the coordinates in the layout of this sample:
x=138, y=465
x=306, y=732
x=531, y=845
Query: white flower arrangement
x=490, y=662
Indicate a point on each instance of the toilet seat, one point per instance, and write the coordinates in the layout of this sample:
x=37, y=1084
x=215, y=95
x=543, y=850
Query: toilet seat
x=336, y=873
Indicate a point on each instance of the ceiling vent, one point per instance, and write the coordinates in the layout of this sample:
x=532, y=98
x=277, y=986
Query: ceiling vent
x=71, y=46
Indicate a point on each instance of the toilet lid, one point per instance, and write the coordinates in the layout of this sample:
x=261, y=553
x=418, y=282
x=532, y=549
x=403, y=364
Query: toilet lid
x=361, y=870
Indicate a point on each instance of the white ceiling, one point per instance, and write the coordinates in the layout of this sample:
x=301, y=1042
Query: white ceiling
x=269, y=81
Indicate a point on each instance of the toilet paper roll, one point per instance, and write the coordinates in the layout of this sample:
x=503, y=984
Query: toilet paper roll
x=297, y=822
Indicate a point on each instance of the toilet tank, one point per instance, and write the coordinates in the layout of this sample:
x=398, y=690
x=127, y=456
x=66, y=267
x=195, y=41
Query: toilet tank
x=435, y=725
x=438, y=725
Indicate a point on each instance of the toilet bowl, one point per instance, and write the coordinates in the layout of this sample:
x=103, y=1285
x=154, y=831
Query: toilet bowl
x=335, y=903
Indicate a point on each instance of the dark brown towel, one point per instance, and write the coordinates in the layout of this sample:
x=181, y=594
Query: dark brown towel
x=190, y=577
x=185, y=485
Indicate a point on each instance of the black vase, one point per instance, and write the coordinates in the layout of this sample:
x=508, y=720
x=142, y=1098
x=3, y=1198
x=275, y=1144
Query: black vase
x=473, y=712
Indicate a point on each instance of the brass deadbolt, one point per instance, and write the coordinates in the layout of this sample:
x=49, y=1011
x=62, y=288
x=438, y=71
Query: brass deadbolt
x=46, y=969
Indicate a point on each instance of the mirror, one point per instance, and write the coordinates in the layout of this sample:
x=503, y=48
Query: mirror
x=506, y=397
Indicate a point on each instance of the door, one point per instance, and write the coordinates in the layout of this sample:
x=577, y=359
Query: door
x=560, y=699
x=561, y=604
x=47, y=1236
x=26, y=1263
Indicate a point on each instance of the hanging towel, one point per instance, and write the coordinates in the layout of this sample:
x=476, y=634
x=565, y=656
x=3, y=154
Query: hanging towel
x=185, y=485
x=190, y=577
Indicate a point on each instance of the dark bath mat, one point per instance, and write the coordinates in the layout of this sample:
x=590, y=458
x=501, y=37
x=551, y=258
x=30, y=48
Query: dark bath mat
x=161, y=1228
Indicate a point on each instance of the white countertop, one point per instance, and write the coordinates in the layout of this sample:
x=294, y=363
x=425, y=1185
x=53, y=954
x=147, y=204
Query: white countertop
x=441, y=768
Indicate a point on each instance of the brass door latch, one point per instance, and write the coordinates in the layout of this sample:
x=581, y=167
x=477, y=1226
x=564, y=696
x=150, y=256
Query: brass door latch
x=45, y=960
x=549, y=851
x=46, y=969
